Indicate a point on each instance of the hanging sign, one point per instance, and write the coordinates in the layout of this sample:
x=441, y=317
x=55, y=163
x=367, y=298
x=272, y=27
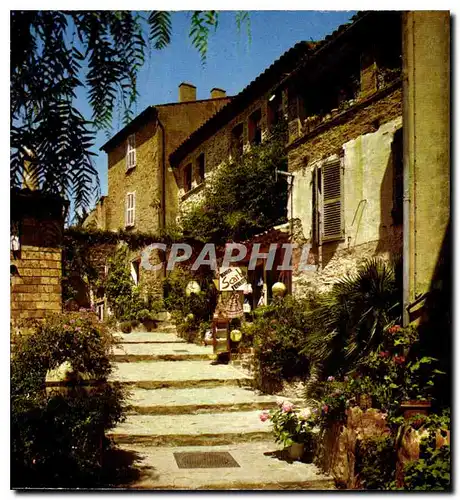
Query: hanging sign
x=231, y=279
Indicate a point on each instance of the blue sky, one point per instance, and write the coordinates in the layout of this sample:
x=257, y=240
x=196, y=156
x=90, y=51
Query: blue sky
x=232, y=61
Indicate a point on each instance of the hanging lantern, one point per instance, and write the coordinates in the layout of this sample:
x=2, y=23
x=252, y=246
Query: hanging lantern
x=236, y=335
x=279, y=289
x=192, y=287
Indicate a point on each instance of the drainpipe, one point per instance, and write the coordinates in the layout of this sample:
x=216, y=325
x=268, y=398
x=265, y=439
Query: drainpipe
x=408, y=152
x=162, y=214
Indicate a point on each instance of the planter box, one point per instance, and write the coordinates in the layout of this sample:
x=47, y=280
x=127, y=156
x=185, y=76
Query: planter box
x=414, y=407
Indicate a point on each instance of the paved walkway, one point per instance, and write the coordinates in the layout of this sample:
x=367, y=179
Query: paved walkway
x=179, y=402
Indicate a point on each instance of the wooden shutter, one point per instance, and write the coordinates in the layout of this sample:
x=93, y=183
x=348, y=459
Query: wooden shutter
x=130, y=209
x=332, y=227
x=131, y=152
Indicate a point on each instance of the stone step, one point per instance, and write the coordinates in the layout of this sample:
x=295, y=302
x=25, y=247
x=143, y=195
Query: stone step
x=157, y=374
x=147, y=338
x=262, y=466
x=128, y=352
x=198, y=400
x=205, y=429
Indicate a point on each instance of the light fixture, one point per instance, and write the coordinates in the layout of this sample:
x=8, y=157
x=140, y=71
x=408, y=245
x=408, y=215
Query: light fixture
x=272, y=97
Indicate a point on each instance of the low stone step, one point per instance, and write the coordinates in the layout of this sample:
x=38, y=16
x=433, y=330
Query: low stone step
x=156, y=374
x=147, y=338
x=261, y=466
x=198, y=400
x=206, y=429
x=128, y=352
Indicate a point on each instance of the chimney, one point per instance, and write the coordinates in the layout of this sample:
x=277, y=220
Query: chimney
x=218, y=93
x=187, y=92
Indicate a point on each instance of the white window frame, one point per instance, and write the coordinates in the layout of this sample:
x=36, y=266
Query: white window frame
x=131, y=152
x=130, y=209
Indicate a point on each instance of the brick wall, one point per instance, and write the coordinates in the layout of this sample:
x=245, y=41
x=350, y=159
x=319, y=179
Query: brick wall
x=36, y=286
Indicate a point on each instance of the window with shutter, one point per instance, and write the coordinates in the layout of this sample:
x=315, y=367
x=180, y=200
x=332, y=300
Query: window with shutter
x=332, y=227
x=130, y=209
x=131, y=152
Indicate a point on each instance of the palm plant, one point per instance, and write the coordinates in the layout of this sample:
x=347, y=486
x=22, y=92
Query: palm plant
x=351, y=318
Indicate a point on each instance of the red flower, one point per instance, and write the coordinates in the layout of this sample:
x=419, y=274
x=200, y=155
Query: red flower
x=384, y=354
x=325, y=408
x=394, y=329
x=399, y=360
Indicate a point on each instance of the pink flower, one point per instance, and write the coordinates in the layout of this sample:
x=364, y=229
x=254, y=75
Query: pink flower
x=325, y=408
x=345, y=379
x=384, y=354
x=264, y=416
x=330, y=378
x=287, y=406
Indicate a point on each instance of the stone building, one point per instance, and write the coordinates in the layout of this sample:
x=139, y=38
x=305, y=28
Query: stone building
x=342, y=100
x=37, y=222
x=142, y=191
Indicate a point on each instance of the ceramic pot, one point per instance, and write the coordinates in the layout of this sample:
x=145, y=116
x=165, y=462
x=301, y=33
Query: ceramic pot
x=296, y=451
x=414, y=407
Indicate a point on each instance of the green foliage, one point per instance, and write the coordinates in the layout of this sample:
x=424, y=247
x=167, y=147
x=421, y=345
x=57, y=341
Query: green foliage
x=244, y=198
x=123, y=296
x=431, y=472
x=200, y=305
x=376, y=462
x=278, y=333
x=56, y=53
x=57, y=438
x=351, y=319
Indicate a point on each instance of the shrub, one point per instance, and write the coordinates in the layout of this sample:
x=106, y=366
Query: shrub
x=431, y=472
x=278, y=332
x=376, y=462
x=58, y=436
x=245, y=196
x=126, y=326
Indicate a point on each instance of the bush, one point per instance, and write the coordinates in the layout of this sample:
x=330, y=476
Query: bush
x=278, y=333
x=57, y=436
x=431, y=472
x=126, y=326
x=245, y=197
x=376, y=462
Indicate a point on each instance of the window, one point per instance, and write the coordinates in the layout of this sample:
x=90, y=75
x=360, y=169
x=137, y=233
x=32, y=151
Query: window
x=130, y=209
x=188, y=177
x=274, y=110
x=237, y=141
x=135, y=271
x=255, y=130
x=131, y=152
x=398, y=184
x=200, y=168
x=328, y=223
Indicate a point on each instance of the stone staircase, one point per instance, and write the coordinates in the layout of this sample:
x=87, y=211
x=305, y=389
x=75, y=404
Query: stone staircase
x=180, y=405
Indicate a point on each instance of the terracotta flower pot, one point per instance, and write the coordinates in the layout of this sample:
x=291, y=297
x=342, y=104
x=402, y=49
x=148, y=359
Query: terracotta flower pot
x=296, y=451
x=415, y=407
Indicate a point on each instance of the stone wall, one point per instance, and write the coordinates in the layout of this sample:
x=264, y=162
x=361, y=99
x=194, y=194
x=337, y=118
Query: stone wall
x=36, y=283
x=216, y=150
x=154, y=143
x=363, y=141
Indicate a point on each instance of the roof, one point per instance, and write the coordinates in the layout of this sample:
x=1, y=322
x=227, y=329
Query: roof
x=291, y=60
x=143, y=117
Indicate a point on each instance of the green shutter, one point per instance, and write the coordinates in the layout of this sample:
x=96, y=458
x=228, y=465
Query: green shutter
x=332, y=188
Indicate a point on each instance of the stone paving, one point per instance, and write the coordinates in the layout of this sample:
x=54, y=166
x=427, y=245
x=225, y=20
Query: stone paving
x=192, y=405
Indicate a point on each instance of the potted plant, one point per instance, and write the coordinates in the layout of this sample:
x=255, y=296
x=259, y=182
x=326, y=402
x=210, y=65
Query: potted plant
x=292, y=427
